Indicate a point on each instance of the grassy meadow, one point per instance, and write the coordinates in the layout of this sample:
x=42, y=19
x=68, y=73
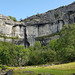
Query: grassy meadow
x=62, y=69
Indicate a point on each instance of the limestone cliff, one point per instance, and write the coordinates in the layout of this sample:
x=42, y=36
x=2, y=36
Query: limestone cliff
x=11, y=30
x=50, y=22
x=38, y=25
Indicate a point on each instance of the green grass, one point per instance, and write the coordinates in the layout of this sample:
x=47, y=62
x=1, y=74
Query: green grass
x=63, y=69
x=49, y=71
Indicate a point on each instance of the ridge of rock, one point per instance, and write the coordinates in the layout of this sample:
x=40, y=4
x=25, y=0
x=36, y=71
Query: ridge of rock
x=37, y=25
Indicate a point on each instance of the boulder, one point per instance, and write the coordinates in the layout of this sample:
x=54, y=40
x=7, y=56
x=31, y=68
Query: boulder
x=10, y=72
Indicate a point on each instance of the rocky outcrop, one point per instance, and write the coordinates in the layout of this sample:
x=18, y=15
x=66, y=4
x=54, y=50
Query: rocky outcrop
x=11, y=31
x=50, y=22
x=36, y=26
x=4, y=72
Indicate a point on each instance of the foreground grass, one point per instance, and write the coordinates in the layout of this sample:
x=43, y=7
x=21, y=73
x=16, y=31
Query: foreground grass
x=63, y=69
x=69, y=66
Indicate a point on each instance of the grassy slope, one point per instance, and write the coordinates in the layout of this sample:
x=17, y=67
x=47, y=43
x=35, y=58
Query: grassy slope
x=63, y=69
x=69, y=66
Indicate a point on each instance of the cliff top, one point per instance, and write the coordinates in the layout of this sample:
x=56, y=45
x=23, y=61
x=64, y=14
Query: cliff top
x=9, y=21
x=50, y=16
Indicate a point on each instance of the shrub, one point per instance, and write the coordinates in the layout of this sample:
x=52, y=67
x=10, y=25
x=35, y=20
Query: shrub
x=37, y=45
x=13, y=18
x=3, y=67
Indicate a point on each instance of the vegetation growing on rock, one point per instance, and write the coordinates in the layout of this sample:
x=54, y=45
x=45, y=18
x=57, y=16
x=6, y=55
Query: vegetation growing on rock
x=13, y=18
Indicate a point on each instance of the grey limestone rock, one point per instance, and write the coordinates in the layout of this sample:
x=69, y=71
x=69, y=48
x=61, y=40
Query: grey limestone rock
x=49, y=22
x=37, y=25
x=11, y=29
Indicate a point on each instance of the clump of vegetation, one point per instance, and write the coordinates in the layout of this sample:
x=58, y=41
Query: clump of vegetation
x=65, y=45
x=13, y=18
x=11, y=54
x=3, y=67
x=56, y=15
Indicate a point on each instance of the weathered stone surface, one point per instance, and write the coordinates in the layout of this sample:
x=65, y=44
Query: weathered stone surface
x=60, y=13
x=10, y=72
x=3, y=72
x=45, y=41
x=11, y=29
x=37, y=25
x=49, y=22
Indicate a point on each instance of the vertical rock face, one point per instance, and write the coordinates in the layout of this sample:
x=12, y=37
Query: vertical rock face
x=14, y=31
x=6, y=25
x=35, y=26
x=18, y=31
x=49, y=22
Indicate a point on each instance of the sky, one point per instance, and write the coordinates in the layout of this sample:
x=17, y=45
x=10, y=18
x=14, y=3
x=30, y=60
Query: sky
x=26, y=8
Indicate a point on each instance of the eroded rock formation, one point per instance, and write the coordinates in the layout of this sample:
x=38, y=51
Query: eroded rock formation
x=50, y=22
x=12, y=30
x=38, y=25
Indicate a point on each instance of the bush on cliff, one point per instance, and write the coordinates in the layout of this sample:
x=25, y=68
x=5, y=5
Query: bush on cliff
x=13, y=18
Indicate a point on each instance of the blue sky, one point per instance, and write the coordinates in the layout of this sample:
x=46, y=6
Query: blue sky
x=25, y=8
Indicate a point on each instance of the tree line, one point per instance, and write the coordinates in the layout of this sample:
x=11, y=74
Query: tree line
x=59, y=50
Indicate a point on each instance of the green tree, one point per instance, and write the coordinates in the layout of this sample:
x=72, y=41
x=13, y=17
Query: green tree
x=37, y=45
x=69, y=54
x=52, y=44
